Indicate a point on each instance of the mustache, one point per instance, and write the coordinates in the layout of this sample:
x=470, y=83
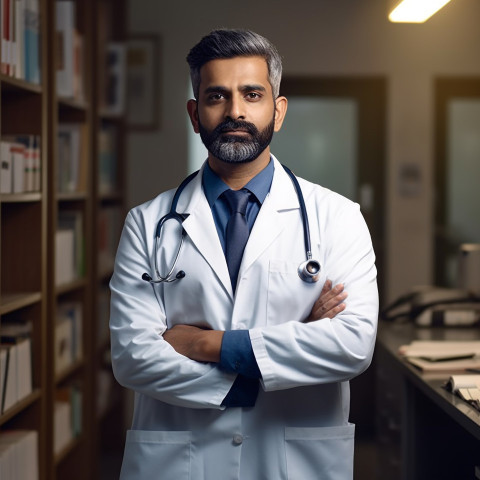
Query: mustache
x=230, y=124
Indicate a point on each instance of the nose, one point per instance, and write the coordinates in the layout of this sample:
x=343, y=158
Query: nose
x=235, y=108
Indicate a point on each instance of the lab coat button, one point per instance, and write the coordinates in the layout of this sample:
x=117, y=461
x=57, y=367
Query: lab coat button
x=237, y=439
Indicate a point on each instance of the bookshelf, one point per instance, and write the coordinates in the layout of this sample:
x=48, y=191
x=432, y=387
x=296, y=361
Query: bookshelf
x=61, y=210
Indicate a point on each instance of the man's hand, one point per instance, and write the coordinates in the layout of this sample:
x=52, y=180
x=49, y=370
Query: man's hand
x=195, y=343
x=329, y=303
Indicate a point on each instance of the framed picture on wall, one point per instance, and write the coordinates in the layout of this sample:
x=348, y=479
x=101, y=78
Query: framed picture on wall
x=143, y=82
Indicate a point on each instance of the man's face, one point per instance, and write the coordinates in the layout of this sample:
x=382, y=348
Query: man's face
x=235, y=112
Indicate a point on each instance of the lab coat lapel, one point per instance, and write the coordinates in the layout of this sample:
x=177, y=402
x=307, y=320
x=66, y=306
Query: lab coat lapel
x=200, y=227
x=270, y=222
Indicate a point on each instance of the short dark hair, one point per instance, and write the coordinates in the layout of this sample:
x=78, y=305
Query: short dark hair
x=230, y=43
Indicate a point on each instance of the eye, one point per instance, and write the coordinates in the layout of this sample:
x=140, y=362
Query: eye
x=253, y=96
x=216, y=97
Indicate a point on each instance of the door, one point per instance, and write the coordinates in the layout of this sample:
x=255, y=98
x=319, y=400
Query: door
x=457, y=172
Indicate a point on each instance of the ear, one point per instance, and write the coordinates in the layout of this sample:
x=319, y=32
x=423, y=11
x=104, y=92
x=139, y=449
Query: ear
x=281, y=104
x=192, y=109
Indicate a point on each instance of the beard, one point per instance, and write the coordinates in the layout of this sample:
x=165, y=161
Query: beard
x=235, y=148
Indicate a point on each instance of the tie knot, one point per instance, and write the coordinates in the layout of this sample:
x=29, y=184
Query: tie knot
x=237, y=200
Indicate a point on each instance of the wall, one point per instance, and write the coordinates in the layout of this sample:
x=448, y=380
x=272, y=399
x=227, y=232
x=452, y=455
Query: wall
x=323, y=37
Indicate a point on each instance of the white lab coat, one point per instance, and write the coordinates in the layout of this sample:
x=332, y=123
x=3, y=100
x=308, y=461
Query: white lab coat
x=299, y=426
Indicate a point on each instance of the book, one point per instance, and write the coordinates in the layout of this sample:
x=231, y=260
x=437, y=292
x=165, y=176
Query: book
x=72, y=394
x=72, y=220
x=65, y=28
x=6, y=174
x=72, y=314
x=467, y=387
x=64, y=256
x=11, y=376
x=20, y=39
x=5, y=19
x=19, y=454
x=20, y=168
x=32, y=41
x=72, y=148
x=3, y=373
x=17, y=336
x=62, y=425
x=68, y=335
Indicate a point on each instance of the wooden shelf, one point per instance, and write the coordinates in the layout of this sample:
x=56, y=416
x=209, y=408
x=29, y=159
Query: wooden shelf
x=71, y=286
x=69, y=371
x=16, y=301
x=69, y=447
x=72, y=103
x=10, y=84
x=71, y=196
x=30, y=222
x=20, y=197
x=20, y=406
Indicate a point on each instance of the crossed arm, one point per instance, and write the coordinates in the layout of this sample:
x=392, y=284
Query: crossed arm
x=205, y=345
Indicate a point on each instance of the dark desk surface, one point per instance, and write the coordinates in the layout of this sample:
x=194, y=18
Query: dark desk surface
x=391, y=336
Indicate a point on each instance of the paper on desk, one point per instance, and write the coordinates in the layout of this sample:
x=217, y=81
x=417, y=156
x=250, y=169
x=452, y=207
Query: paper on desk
x=439, y=350
x=445, y=366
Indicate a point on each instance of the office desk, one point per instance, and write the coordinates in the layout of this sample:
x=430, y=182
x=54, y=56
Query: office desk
x=424, y=432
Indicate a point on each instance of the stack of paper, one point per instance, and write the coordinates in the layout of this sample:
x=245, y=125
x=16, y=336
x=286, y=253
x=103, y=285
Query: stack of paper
x=443, y=356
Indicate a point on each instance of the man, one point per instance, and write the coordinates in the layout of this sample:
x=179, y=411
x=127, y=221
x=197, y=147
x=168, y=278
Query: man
x=240, y=368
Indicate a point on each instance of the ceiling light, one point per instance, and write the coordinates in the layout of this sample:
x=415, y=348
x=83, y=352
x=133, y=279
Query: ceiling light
x=415, y=11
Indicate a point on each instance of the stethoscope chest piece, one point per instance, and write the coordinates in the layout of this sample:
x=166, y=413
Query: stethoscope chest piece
x=309, y=271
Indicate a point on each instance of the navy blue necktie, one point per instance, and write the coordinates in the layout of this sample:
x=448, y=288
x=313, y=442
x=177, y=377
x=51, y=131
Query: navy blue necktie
x=237, y=231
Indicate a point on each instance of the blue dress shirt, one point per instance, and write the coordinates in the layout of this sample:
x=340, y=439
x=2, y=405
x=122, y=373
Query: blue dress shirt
x=236, y=355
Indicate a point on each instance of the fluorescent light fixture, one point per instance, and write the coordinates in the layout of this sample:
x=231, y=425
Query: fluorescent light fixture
x=415, y=11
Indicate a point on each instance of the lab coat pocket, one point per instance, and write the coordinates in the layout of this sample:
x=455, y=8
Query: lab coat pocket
x=289, y=297
x=323, y=452
x=151, y=454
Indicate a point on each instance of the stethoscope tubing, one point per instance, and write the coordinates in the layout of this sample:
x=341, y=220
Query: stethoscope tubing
x=308, y=271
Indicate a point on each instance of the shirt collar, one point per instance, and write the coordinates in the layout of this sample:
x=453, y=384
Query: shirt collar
x=259, y=185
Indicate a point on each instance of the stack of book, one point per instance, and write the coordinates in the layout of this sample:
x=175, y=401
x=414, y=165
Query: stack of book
x=68, y=335
x=20, y=39
x=72, y=166
x=20, y=164
x=70, y=60
x=15, y=364
x=69, y=247
x=67, y=416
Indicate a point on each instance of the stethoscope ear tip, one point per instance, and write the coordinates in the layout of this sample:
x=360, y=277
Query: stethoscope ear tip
x=146, y=277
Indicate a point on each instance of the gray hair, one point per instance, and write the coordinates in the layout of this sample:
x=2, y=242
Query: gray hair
x=232, y=43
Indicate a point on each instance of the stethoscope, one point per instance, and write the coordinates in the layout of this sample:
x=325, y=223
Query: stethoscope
x=308, y=270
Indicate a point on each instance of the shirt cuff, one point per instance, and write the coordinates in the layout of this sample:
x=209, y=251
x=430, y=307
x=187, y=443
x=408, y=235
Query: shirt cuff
x=236, y=354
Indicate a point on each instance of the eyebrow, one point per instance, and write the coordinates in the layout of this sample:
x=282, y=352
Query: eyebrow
x=243, y=88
